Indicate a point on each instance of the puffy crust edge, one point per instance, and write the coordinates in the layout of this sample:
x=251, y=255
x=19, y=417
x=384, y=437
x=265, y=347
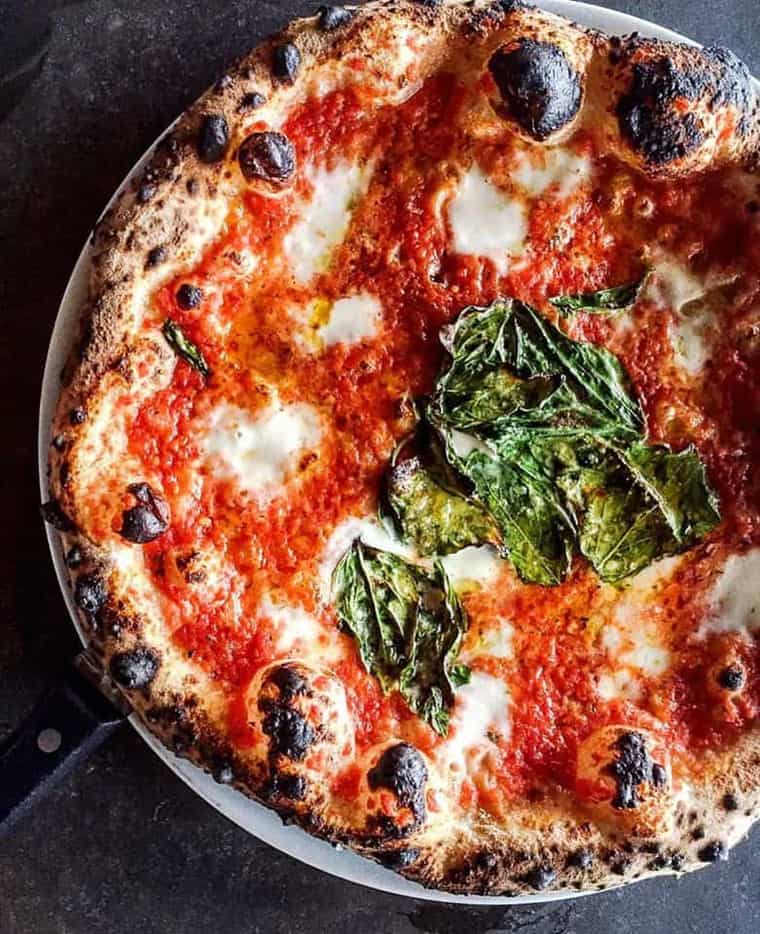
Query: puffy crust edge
x=142, y=239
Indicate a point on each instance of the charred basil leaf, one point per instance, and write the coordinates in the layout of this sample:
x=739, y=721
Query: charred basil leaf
x=617, y=298
x=408, y=625
x=185, y=348
x=428, y=507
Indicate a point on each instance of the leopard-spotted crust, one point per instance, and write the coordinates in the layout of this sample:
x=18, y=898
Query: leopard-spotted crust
x=668, y=111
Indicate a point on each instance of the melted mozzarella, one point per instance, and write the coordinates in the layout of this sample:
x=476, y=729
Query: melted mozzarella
x=324, y=219
x=559, y=169
x=258, y=452
x=672, y=284
x=689, y=338
x=293, y=626
x=734, y=603
x=632, y=636
x=479, y=565
x=495, y=642
x=482, y=706
x=352, y=319
x=486, y=222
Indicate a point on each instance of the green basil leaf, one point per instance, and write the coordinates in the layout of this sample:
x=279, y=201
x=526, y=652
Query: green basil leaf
x=185, y=348
x=436, y=519
x=544, y=379
x=618, y=298
x=408, y=625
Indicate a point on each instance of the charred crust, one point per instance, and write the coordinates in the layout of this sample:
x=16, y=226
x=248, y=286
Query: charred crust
x=399, y=859
x=733, y=85
x=330, y=18
x=59, y=443
x=286, y=62
x=90, y=593
x=188, y=296
x=677, y=862
x=730, y=802
x=74, y=557
x=77, y=416
x=290, y=734
x=283, y=785
x=148, y=519
x=289, y=681
x=541, y=877
x=268, y=156
x=54, y=515
x=539, y=87
x=156, y=256
x=402, y=770
x=633, y=767
x=145, y=192
x=713, y=852
x=251, y=101
x=581, y=859
x=213, y=138
x=135, y=668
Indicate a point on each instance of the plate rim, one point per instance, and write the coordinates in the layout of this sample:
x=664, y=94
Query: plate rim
x=251, y=816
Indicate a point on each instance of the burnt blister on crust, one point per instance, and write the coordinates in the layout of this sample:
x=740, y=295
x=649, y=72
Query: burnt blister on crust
x=213, y=138
x=633, y=767
x=402, y=770
x=55, y=516
x=156, y=256
x=652, y=116
x=268, y=156
x=90, y=593
x=731, y=678
x=286, y=61
x=290, y=734
x=713, y=852
x=399, y=859
x=134, y=668
x=542, y=877
x=252, y=101
x=331, y=18
x=284, y=785
x=147, y=519
x=539, y=87
x=189, y=296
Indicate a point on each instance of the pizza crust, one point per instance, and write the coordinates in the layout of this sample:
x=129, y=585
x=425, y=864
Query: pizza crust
x=161, y=223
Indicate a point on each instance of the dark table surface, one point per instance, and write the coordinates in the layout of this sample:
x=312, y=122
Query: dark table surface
x=123, y=846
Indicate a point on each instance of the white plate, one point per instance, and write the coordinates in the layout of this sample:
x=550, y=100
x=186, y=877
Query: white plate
x=249, y=815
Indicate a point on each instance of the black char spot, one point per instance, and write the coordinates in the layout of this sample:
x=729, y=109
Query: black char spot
x=289, y=681
x=147, y=519
x=713, y=852
x=223, y=774
x=286, y=60
x=90, y=593
x=252, y=101
x=189, y=296
x=290, y=734
x=731, y=678
x=77, y=416
x=283, y=785
x=648, y=117
x=156, y=256
x=677, y=861
x=74, y=557
x=135, y=668
x=267, y=156
x=333, y=17
x=402, y=770
x=541, y=877
x=734, y=85
x=730, y=802
x=55, y=516
x=213, y=138
x=581, y=859
x=633, y=767
x=538, y=85
x=400, y=859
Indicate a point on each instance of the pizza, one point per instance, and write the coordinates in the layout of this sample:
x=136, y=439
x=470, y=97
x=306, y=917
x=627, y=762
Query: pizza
x=407, y=464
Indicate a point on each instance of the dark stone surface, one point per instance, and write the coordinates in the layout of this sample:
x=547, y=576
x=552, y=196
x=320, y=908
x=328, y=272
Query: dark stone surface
x=123, y=846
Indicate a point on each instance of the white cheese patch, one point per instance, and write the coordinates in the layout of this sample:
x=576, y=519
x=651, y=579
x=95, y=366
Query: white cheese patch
x=481, y=706
x=690, y=339
x=293, y=626
x=495, y=642
x=324, y=219
x=480, y=565
x=632, y=637
x=487, y=222
x=259, y=451
x=671, y=284
x=734, y=602
x=559, y=169
x=352, y=319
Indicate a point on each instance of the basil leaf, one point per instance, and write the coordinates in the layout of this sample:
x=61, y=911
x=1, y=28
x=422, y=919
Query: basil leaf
x=537, y=531
x=429, y=512
x=578, y=385
x=618, y=298
x=408, y=625
x=185, y=348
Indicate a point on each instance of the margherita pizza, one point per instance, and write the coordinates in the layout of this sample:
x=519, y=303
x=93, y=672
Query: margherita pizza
x=407, y=468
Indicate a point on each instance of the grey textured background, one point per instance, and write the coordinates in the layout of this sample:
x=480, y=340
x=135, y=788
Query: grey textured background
x=123, y=846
